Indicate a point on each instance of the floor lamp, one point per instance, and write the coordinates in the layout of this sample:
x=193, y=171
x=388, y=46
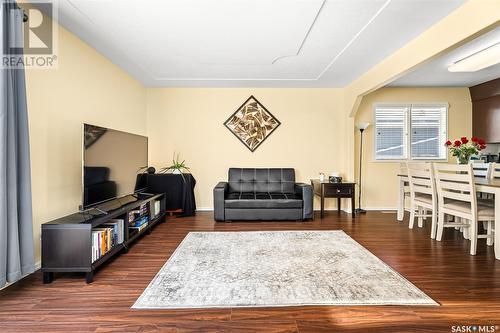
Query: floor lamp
x=361, y=126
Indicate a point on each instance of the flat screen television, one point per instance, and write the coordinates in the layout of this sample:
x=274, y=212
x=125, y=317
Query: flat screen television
x=111, y=161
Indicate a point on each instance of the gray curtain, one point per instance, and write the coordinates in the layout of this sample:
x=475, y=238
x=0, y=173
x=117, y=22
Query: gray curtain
x=16, y=220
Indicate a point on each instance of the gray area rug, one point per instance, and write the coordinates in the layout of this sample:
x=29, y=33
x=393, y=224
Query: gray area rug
x=277, y=268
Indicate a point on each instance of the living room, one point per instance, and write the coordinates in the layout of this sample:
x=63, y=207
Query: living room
x=280, y=219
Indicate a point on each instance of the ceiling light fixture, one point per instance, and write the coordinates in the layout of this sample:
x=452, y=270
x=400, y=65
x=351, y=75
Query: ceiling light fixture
x=485, y=58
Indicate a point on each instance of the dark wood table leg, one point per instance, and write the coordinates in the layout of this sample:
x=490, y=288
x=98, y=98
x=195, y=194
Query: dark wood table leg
x=353, y=201
x=89, y=277
x=48, y=277
x=339, y=201
x=322, y=200
x=314, y=197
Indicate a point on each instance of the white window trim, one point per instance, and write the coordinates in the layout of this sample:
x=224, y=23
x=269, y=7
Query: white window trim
x=407, y=133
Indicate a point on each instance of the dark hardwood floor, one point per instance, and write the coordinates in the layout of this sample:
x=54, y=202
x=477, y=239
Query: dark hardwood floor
x=467, y=287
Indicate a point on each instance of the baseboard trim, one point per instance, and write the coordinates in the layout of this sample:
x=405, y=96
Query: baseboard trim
x=380, y=208
x=372, y=209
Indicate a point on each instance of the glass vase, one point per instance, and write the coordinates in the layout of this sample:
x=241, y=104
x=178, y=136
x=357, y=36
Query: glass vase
x=463, y=159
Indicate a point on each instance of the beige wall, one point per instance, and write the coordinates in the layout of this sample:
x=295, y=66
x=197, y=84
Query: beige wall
x=190, y=121
x=379, y=178
x=315, y=136
x=85, y=88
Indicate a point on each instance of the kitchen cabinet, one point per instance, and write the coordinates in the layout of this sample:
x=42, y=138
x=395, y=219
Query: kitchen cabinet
x=486, y=110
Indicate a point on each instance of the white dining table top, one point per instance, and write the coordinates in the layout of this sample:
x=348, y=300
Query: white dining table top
x=477, y=181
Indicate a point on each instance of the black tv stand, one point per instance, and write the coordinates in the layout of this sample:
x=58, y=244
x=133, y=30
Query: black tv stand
x=67, y=242
x=100, y=210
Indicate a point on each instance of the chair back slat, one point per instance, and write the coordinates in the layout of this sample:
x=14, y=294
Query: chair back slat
x=454, y=177
x=421, y=180
x=454, y=185
x=455, y=182
x=454, y=168
x=418, y=171
x=456, y=196
x=495, y=171
x=422, y=189
x=481, y=170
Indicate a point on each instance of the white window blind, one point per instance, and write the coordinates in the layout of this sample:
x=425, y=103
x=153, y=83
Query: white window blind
x=410, y=131
x=391, y=131
x=428, y=131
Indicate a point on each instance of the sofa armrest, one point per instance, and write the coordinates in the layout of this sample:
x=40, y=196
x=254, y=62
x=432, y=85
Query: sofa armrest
x=219, y=196
x=305, y=191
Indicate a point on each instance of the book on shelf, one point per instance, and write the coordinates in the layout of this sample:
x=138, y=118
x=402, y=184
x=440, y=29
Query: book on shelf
x=106, y=236
x=144, y=208
x=140, y=228
x=118, y=229
x=133, y=214
x=155, y=208
x=138, y=213
x=139, y=221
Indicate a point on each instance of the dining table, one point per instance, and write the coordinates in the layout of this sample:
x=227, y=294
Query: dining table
x=483, y=185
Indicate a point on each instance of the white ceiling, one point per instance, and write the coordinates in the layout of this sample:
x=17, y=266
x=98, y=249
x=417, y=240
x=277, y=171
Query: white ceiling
x=435, y=72
x=234, y=43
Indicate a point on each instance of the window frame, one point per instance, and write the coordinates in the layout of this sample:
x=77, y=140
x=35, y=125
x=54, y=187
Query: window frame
x=408, y=132
x=405, y=132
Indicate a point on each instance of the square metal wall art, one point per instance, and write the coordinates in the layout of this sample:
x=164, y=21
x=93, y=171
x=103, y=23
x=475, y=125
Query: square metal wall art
x=252, y=123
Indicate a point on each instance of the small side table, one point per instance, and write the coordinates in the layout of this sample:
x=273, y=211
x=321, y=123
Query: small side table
x=326, y=189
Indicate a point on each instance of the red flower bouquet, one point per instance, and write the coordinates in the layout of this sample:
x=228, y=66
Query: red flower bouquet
x=464, y=148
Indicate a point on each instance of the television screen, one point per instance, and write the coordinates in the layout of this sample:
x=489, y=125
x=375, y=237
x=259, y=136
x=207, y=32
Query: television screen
x=111, y=162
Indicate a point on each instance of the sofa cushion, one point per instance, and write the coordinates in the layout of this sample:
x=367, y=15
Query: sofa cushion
x=261, y=180
x=262, y=200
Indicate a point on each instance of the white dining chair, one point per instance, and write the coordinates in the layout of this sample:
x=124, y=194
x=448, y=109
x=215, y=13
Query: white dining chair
x=403, y=170
x=457, y=196
x=481, y=170
x=423, y=197
x=495, y=171
x=494, y=174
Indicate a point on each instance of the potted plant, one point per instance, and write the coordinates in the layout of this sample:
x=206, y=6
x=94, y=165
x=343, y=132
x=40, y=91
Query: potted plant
x=177, y=166
x=464, y=148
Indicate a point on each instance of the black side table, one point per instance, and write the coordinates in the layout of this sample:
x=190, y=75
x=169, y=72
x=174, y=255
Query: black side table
x=326, y=189
x=179, y=190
